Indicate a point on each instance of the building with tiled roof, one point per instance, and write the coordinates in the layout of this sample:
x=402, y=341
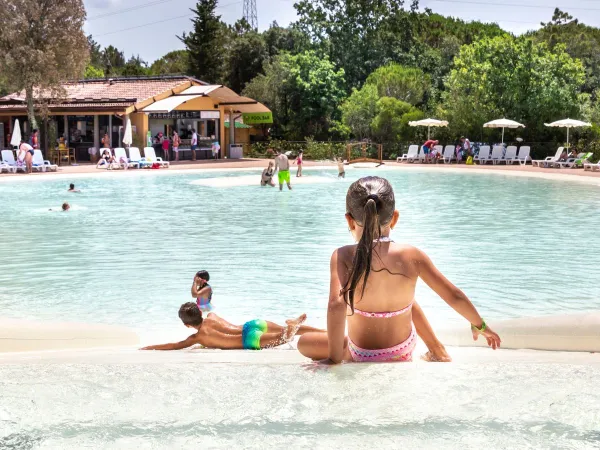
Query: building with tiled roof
x=89, y=109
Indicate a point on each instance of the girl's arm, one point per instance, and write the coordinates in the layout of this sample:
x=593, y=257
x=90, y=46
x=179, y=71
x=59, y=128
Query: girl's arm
x=195, y=289
x=454, y=297
x=175, y=346
x=336, y=313
x=204, y=292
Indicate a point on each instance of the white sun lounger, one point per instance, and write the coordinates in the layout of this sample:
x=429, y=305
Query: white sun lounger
x=449, y=154
x=510, y=156
x=524, y=152
x=151, y=157
x=4, y=166
x=484, y=154
x=8, y=157
x=108, y=166
x=136, y=157
x=439, y=149
x=549, y=159
x=413, y=153
x=497, y=154
x=39, y=161
x=592, y=166
x=121, y=155
x=569, y=163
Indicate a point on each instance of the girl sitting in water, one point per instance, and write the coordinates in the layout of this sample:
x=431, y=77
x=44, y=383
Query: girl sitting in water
x=202, y=291
x=380, y=277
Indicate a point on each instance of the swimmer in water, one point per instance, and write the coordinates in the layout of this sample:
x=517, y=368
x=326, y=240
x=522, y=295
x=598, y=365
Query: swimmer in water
x=72, y=188
x=202, y=291
x=379, y=276
x=65, y=207
x=215, y=332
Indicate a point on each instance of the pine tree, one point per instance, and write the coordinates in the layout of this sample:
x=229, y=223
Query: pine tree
x=205, y=43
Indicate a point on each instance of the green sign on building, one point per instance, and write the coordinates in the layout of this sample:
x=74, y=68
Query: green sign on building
x=255, y=118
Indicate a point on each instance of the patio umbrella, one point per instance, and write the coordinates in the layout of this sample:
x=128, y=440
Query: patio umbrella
x=127, y=135
x=428, y=123
x=15, y=141
x=568, y=124
x=503, y=123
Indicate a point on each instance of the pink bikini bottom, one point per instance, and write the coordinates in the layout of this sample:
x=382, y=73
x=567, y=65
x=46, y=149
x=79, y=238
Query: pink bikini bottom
x=401, y=352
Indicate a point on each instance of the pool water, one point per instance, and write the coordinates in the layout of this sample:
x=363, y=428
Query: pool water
x=128, y=250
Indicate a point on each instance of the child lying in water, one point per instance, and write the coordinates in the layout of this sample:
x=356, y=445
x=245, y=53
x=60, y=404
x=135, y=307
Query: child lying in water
x=215, y=332
x=380, y=276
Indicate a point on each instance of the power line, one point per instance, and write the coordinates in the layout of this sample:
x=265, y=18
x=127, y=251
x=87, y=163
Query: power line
x=159, y=21
x=125, y=10
x=519, y=5
x=250, y=13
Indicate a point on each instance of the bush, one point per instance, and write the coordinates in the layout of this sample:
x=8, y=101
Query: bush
x=313, y=150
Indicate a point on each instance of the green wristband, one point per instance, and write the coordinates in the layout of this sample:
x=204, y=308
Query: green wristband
x=483, y=326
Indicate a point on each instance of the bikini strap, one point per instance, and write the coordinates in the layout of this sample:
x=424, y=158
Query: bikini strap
x=384, y=315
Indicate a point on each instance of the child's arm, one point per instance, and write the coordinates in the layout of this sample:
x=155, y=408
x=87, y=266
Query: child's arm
x=336, y=314
x=204, y=292
x=175, y=346
x=454, y=297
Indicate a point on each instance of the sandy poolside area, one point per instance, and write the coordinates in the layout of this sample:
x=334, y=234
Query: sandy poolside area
x=84, y=170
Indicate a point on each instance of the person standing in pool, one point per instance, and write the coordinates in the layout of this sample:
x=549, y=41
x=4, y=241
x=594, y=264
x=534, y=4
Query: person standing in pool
x=283, y=164
x=341, y=169
x=299, y=163
x=215, y=332
x=266, y=179
x=202, y=291
x=380, y=276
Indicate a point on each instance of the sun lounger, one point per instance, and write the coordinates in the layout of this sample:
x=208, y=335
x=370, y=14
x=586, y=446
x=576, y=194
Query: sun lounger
x=549, y=159
x=413, y=153
x=524, y=152
x=123, y=160
x=136, y=157
x=108, y=166
x=484, y=154
x=8, y=157
x=4, y=166
x=40, y=162
x=497, y=154
x=591, y=166
x=151, y=157
x=449, y=154
x=440, y=150
x=569, y=163
x=579, y=162
x=510, y=156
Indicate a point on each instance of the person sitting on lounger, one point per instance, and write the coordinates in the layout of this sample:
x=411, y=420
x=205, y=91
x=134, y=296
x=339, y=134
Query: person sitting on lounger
x=215, y=332
x=105, y=158
x=563, y=156
x=572, y=154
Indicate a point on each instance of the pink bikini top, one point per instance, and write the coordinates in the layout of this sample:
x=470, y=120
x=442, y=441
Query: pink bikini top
x=384, y=315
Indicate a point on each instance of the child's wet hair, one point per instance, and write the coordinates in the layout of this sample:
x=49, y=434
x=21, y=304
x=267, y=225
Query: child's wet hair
x=203, y=274
x=371, y=203
x=65, y=206
x=190, y=314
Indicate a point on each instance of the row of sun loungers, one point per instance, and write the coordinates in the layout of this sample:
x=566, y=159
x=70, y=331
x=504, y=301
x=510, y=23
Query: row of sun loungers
x=11, y=165
x=134, y=160
x=582, y=160
x=497, y=155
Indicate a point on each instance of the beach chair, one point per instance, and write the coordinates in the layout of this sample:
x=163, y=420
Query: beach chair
x=121, y=155
x=8, y=157
x=109, y=166
x=449, y=154
x=549, y=159
x=579, y=162
x=591, y=166
x=524, y=152
x=151, y=157
x=4, y=166
x=497, y=154
x=136, y=157
x=439, y=149
x=484, y=155
x=413, y=152
x=510, y=156
x=42, y=164
x=570, y=162
x=421, y=156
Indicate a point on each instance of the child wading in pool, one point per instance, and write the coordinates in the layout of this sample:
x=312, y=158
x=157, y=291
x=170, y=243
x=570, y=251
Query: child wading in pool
x=379, y=277
x=202, y=291
x=215, y=332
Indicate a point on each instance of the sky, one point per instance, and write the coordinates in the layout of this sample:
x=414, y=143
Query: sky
x=149, y=28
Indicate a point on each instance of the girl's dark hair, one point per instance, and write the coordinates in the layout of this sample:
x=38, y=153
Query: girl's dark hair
x=190, y=314
x=371, y=203
x=203, y=274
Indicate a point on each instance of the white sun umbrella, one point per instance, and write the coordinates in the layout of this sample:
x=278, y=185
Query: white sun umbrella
x=568, y=124
x=428, y=123
x=15, y=141
x=127, y=135
x=503, y=123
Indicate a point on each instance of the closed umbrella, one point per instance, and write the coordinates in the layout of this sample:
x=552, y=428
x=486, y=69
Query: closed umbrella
x=428, y=123
x=503, y=123
x=15, y=141
x=127, y=135
x=568, y=124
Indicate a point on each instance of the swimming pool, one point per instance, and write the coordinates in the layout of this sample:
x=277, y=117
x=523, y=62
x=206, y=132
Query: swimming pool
x=127, y=252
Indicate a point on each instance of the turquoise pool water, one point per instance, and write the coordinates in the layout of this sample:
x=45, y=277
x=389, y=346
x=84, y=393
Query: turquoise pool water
x=127, y=252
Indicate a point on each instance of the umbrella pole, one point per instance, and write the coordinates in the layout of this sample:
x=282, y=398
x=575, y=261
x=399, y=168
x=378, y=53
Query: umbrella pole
x=503, y=135
x=428, y=132
x=567, y=137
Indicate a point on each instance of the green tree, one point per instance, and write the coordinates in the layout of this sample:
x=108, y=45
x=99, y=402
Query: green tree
x=388, y=125
x=245, y=57
x=173, y=63
x=42, y=44
x=135, y=67
x=408, y=84
x=303, y=91
x=96, y=58
x=113, y=61
x=93, y=72
x=359, y=110
x=205, y=43
x=279, y=39
x=513, y=78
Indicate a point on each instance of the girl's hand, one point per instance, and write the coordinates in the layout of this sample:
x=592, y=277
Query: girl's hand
x=493, y=340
